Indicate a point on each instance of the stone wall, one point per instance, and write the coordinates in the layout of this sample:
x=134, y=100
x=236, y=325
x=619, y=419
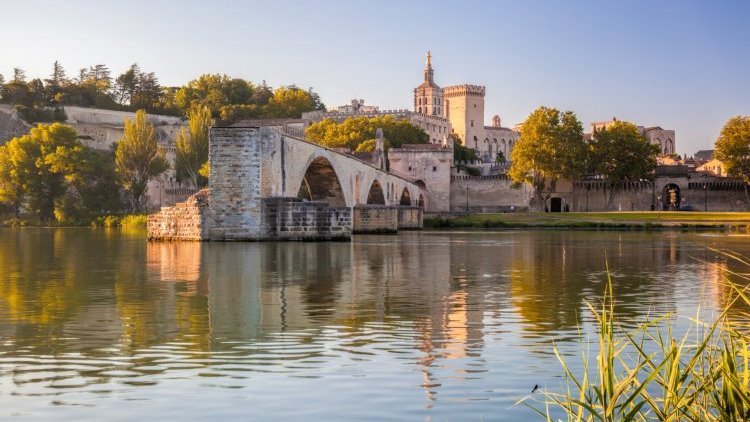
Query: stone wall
x=720, y=194
x=430, y=165
x=295, y=219
x=487, y=194
x=410, y=218
x=184, y=221
x=235, y=183
x=77, y=114
x=375, y=219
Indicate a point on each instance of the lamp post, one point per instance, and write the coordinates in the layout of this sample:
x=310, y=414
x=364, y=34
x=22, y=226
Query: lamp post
x=467, y=199
x=658, y=205
x=705, y=197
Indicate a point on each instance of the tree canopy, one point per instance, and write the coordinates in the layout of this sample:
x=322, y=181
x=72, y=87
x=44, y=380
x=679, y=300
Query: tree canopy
x=139, y=158
x=354, y=132
x=550, y=147
x=733, y=147
x=620, y=153
x=49, y=173
x=192, y=146
x=229, y=99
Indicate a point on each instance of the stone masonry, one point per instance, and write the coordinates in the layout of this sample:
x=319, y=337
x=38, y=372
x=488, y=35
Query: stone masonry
x=410, y=218
x=374, y=219
x=183, y=221
x=295, y=219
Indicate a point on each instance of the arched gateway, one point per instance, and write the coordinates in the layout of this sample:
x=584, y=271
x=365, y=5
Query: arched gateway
x=670, y=197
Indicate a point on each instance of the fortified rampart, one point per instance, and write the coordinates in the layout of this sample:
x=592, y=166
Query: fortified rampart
x=487, y=194
x=690, y=193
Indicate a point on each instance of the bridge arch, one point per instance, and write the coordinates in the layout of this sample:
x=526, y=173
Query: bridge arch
x=405, y=197
x=321, y=183
x=375, y=195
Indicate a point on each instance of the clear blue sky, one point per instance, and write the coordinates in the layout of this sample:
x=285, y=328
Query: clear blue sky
x=681, y=65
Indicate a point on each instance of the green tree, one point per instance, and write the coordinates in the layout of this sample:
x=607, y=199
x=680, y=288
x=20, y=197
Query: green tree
x=126, y=85
x=262, y=94
x=733, y=149
x=139, y=158
x=56, y=82
x=98, y=186
x=289, y=101
x=233, y=113
x=17, y=92
x=19, y=75
x=192, y=146
x=148, y=93
x=37, y=168
x=356, y=130
x=460, y=152
x=213, y=91
x=550, y=147
x=620, y=153
x=12, y=186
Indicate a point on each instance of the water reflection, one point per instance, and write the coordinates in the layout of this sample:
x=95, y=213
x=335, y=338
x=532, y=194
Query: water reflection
x=459, y=317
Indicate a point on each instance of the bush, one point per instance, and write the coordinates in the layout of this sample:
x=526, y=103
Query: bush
x=137, y=221
x=471, y=171
x=15, y=222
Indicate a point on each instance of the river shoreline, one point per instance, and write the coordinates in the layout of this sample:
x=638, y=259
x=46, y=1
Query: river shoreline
x=596, y=221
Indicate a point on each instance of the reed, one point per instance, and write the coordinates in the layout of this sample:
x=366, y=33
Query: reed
x=649, y=373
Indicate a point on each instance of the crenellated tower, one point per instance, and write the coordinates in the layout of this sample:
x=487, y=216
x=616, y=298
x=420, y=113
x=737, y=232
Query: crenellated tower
x=464, y=107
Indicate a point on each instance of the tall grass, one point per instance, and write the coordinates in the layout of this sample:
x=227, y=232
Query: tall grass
x=132, y=221
x=649, y=373
x=136, y=221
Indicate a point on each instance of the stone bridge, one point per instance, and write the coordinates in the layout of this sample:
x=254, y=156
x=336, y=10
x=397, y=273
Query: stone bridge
x=266, y=185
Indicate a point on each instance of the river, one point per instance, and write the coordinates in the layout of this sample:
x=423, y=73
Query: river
x=100, y=324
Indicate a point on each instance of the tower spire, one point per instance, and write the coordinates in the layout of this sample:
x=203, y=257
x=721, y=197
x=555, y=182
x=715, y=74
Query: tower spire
x=428, y=73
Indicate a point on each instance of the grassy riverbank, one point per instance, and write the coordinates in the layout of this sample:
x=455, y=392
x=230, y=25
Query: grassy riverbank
x=612, y=220
x=128, y=221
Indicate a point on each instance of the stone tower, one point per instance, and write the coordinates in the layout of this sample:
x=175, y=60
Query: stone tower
x=464, y=107
x=428, y=97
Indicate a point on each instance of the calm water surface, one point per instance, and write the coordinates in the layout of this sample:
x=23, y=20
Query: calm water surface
x=99, y=324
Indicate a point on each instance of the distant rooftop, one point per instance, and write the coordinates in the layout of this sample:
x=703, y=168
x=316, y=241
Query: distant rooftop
x=704, y=155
